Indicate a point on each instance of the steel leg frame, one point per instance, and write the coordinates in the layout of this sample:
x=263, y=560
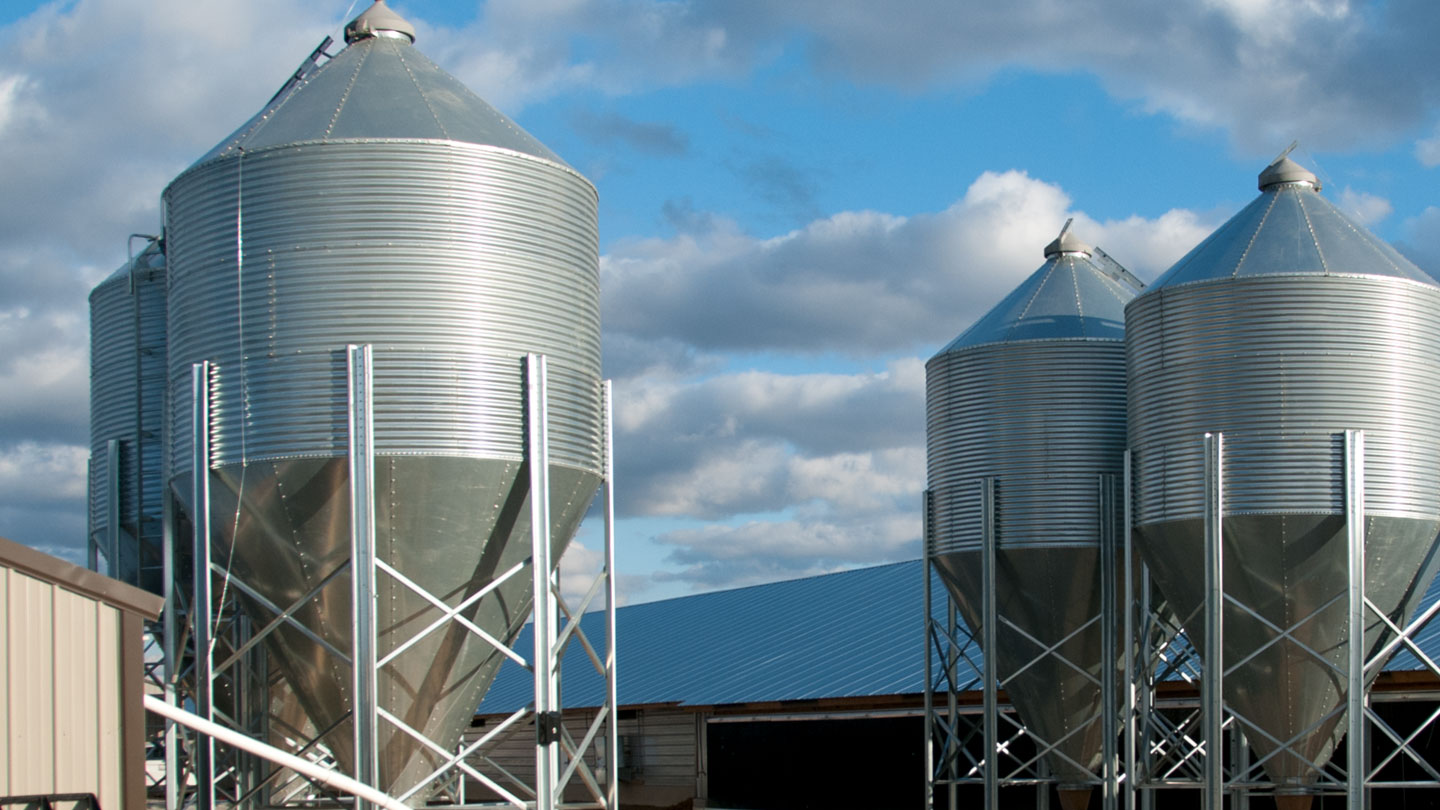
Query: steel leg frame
x=1216, y=720
x=943, y=724
x=559, y=757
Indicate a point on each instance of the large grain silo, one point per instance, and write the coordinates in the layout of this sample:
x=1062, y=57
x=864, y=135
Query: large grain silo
x=1288, y=326
x=127, y=396
x=1026, y=411
x=379, y=201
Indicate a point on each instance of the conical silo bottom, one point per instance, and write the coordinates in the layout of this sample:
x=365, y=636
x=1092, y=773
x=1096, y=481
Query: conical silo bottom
x=450, y=525
x=1286, y=568
x=1074, y=798
x=1048, y=593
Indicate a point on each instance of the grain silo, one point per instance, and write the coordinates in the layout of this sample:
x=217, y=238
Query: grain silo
x=1026, y=416
x=1287, y=327
x=378, y=201
x=127, y=395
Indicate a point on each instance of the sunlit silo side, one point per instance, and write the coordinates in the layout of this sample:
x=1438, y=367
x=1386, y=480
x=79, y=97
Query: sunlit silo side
x=1033, y=396
x=1287, y=326
x=127, y=395
x=381, y=202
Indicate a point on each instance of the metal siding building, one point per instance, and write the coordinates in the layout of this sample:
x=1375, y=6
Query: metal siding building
x=71, y=672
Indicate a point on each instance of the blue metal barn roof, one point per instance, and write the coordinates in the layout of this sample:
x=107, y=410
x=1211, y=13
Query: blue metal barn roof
x=851, y=634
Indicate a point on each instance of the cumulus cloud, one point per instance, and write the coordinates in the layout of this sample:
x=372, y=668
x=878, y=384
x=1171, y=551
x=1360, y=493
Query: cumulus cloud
x=1331, y=72
x=520, y=51
x=1367, y=209
x=863, y=282
x=1422, y=240
x=804, y=473
x=43, y=503
x=766, y=551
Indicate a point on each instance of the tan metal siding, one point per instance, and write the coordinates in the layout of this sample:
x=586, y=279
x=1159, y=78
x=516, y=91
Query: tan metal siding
x=5, y=734
x=30, y=614
x=60, y=691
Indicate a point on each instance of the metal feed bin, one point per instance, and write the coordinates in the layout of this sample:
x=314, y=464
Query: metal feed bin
x=1026, y=443
x=127, y=407
x=377, y=201
x=1286, y=328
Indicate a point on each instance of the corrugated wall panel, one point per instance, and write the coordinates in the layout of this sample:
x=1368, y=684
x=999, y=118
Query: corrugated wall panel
x=60, y=691
x=109, y=736
x=29, y=613
x=75, y=707
x=5, y=681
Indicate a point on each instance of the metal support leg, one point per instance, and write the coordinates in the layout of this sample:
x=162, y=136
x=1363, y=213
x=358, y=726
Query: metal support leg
x=1357, y=745
x=200, y=604
x=1127, y=637
x=112, y=508
x=929, y=653
x=547, y=687
x=1108, y=572
x=612, y=728
x=361, y=425
x=1212, y=698
x=988, y=643
x=174, y=786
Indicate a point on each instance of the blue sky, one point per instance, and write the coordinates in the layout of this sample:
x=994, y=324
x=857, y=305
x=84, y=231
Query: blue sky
x=800, y=202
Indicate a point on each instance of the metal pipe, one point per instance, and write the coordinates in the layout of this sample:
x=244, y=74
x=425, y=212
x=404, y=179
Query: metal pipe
x=1128, y=638
x=1356, y=745
x=547, y=697
x=612, y=694
x=200, y=604
x=1108, y=572
x=987, y=631
x=112, y=511
x=1212, y=698
x=929, y=708
x=215, y=731
x=361, y=449
x=171, y=670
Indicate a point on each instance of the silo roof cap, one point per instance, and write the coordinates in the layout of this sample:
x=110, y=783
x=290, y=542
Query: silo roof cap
x=1067, y=242
x=1079, y=293
x=1285, y=170
x=378, y=21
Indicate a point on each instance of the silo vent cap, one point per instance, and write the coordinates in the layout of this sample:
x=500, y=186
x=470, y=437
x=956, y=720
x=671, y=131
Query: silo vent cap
x=1067, y=242
x=378, y=21
x=1286, y=171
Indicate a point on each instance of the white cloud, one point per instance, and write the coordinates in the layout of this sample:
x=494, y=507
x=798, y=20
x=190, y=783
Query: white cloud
x=1422, y=240
x=1367, y=209
x=863, y=282
x=724, y=556
x=1330, y=72
x=36, y=473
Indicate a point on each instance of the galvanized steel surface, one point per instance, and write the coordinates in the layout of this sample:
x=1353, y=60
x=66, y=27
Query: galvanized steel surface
x=1289, y=229
x=452, y=259
x=379, y=87
x=127, y=395
x=1281, y=365
x=380, y=202
x=1034, y=395
x=1288, y=326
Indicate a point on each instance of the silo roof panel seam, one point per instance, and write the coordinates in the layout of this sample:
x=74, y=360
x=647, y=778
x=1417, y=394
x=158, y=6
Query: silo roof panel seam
x=345, y=96
x=424, y=97
x=1255, y=234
